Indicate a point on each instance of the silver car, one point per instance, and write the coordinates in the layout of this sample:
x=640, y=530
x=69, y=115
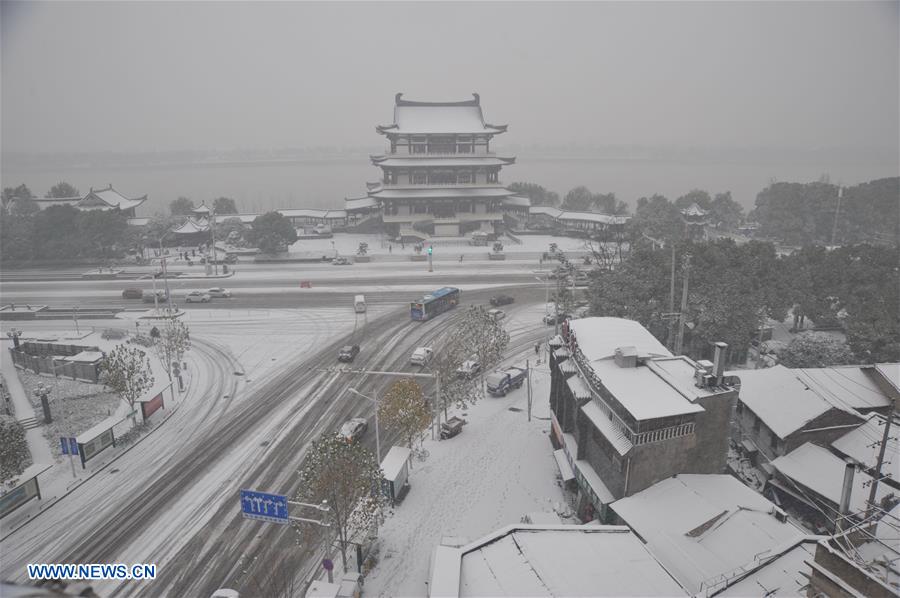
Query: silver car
x=219, y=293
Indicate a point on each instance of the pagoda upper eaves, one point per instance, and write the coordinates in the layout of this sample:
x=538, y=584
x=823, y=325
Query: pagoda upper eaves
x=439, y=118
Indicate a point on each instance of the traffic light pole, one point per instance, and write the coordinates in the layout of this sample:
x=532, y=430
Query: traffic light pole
x=430, y=267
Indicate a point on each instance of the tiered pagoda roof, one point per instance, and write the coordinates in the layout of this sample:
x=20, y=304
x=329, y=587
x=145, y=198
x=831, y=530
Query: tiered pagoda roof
x=96, y=199
x=424, y=118
x=427, y=160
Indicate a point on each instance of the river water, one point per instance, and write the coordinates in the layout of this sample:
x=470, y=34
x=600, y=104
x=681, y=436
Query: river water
x=324, y=183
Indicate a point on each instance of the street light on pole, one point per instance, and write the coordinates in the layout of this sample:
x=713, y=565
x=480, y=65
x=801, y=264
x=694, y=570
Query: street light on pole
x=377, y=434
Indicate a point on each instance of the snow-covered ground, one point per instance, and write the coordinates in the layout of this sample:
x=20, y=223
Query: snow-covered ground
x=348, y=243
x=499, y=468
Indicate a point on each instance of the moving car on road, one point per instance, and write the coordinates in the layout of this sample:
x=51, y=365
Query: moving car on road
x=421, y=356
x=353, y=429
x=149, y=296
x=132, y=294
x=340, y=261
x=496, y=314
x=499, y=300
x=197, y=297
x=348, y=353
x=552, y=319
x=219, y=293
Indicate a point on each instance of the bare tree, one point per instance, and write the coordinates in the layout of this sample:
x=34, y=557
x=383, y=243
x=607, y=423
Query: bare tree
x=173, y=341
x=347, y=476
x=126, y=370
x=403, y=409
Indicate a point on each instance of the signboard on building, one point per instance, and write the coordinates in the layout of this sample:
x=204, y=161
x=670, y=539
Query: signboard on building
x=150, y=407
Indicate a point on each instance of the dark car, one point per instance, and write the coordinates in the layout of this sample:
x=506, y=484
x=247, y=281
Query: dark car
x=132, y=294
x=552, y=320
x=499, y=300
x=348, y=353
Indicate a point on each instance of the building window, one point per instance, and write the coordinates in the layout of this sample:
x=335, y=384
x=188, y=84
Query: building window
x=419, y=178
x=464, y=178
x=420, y=209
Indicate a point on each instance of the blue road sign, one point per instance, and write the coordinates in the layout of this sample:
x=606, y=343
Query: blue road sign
x=69, y=445
x=264, y=506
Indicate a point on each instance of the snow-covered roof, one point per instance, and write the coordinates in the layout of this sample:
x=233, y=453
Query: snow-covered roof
x=845, y=386
x=594, y=482
x=244, y=218
x=598, y=338
x=592, y=217
x=694, y=210
x=884, y=548
x=579, y=388
x=553, y=560
x=85, y=357
x=822, y=472
x=780, y=399
x=780, y=576
x=643, y=392
x=191, y=226
x=890, y=372
x=202, y=209
x=323, y=589
x=605, y=426
x=706, y=528
x=448, y=191
x=455, y=160
x=394, y=461
x=546, y=210
x=360, y=203
x=310, y=213
x=516, y=200
x=863, y=444
x=464, y=117
x=108, y=198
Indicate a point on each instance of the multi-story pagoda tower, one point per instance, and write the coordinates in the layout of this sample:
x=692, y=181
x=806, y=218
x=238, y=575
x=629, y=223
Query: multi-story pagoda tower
x=440, y=175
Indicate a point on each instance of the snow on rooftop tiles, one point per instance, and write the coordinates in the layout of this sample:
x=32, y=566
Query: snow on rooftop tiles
x=890, y=372
x=780, y=399
x=643, y=392
x=598, y=338
x=863, y=443
x=704, y=527
x=564, y=560
x=844, y=386
x=606, y=427
x=822, y=472
x=781, y=576
x=394, y=461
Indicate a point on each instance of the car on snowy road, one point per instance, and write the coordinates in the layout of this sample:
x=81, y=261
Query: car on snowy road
x=353, y=429
x=219, y=293
x=197, y=297
x=340, y=261
x=469, y=368
x=421, y=356
x=348, y=353
x=498, y=300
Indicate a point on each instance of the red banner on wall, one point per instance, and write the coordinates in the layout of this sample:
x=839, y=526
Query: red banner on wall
x=152, y=406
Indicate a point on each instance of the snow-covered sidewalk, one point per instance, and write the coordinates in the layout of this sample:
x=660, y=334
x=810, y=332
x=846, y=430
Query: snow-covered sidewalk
x=499, y=468
x=37, y=444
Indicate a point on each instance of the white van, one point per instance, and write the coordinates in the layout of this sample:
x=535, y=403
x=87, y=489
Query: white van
x=359, y=304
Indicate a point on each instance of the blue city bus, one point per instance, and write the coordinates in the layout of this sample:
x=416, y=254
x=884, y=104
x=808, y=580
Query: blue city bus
x=434, y=303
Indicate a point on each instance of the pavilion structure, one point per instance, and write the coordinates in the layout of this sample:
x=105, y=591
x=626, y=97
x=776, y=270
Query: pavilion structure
x=439, y=175
x=97, y=199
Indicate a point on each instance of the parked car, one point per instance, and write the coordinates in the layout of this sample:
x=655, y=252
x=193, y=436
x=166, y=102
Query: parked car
x=421, y=356
x=452, y=427
x=132, y=293
x=219, y=293
x=348, y=353
x=469, y=368
x=553, y=319
x=499, y=300
x=340, y=261
x=496, y=314
x=500, y=383
x=197, y=297
x=353, y=429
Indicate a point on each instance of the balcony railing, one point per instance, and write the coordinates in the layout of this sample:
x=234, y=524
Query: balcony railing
x=401, y=154
x=426, y=185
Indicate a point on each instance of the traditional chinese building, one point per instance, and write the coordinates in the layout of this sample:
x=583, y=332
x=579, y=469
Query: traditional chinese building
x=440, y=176
x=97, y=199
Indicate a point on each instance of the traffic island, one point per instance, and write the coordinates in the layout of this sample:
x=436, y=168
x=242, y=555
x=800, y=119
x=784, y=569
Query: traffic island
x=496, y=256
x=418, y=258
x=13, y=311
x=102, y=274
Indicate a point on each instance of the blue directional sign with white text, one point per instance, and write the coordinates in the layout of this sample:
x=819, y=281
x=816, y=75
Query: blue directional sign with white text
x=73, y=446
x=65, y=445
x=264, y=506
x=69, y=445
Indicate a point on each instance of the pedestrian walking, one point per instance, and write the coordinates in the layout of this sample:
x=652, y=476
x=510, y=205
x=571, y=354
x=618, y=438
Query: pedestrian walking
x=460, y=258
x=537, y=348
x=390, y=248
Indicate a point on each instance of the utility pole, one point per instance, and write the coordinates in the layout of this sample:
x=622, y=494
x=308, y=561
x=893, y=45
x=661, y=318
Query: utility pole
x=672, y=300
x=881, y=451
x=528, y=377
x=679, y=340
x=212, y=232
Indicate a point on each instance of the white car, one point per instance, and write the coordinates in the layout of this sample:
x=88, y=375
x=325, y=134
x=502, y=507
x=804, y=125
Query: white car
x=421, y=356
x=219, y=293
x=353, y=429
x=496, y=314
x=197, y=297
x=469, y=368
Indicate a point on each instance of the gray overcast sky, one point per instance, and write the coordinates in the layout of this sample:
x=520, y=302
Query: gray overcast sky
x=166, y=76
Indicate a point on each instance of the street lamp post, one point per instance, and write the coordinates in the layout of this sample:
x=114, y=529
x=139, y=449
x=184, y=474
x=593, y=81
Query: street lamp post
x=14, y=334
x=377, y=434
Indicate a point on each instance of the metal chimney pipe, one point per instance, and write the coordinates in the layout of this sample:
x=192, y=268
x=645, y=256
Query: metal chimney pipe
x=844, y=508
x=719, y=362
